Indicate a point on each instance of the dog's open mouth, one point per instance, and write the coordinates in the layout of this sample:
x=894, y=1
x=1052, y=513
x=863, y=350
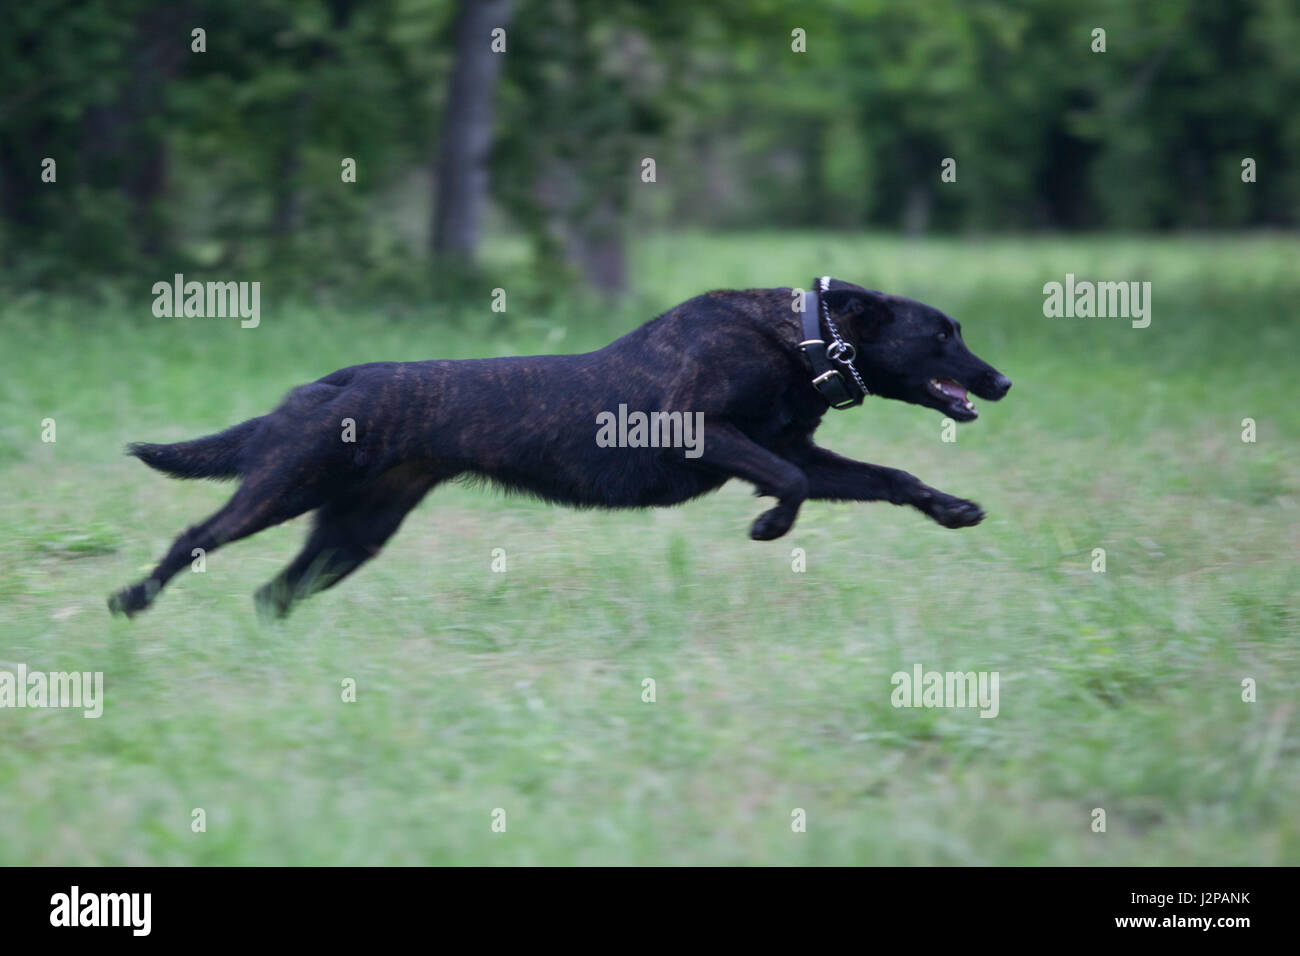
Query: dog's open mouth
x=954, y=395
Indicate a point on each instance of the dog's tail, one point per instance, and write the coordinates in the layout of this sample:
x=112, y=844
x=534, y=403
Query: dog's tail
x=216, y=456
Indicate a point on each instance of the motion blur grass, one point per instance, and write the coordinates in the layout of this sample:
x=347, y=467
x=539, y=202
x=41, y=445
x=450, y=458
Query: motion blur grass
x=523, y=690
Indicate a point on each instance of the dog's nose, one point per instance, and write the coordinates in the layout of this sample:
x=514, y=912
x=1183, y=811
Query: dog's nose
x=1001, y=385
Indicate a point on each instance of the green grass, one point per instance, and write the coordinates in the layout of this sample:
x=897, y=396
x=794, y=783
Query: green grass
x=522, y=690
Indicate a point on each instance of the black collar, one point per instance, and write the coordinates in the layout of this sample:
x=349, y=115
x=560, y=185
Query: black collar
x=834, y=375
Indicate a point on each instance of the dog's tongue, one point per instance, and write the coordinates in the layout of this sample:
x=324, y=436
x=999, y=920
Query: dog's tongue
x=951, y=388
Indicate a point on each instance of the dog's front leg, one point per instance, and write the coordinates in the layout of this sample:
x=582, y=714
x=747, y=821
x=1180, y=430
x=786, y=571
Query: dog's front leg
x=833, y=477
x=729, y=450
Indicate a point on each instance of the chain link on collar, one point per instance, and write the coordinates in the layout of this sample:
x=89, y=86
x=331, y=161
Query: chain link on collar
x=839, y=351
x=833, y=374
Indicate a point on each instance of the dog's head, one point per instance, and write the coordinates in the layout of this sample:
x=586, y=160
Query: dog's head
x=908, y=351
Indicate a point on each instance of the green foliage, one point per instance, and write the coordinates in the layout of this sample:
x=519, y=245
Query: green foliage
x=230, y=159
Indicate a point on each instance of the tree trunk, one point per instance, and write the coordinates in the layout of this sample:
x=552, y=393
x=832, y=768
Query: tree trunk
x=596, y=245
x=286, y=189
x=163, y=46
x=462, y=177
x=916, y=209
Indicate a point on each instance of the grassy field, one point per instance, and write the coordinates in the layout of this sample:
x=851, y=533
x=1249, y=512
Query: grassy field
x=522, y=691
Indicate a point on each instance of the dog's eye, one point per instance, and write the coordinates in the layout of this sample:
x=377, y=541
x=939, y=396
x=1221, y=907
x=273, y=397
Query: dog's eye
x=943, y=336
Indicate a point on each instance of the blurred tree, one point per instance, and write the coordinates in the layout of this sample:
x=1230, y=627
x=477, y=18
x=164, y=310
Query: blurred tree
x=167, y=157
x=467, y=126
x=124, y=140
x=586, y=93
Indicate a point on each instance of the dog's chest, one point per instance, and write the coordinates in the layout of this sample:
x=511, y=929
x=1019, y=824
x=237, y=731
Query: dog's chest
x=787, y=423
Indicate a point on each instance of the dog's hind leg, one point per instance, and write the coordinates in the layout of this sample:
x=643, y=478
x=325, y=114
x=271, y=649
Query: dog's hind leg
x=729, y=450
x=257, y=505
x=832, y=477
x=349, y=531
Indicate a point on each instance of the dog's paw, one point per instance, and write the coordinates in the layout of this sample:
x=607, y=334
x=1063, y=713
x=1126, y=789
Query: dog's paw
x=131, y=601
x=117, y=604
x=955, y=512
x=272, y=602
x=772, y=523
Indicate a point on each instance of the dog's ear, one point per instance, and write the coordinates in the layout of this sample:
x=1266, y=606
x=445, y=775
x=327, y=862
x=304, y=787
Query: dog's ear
x=863, y=310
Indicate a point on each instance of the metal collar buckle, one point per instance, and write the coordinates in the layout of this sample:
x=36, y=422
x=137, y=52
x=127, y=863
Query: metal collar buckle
x=840, y=387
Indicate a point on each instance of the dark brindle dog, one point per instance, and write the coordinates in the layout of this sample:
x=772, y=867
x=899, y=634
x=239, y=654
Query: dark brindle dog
x=761, y=366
